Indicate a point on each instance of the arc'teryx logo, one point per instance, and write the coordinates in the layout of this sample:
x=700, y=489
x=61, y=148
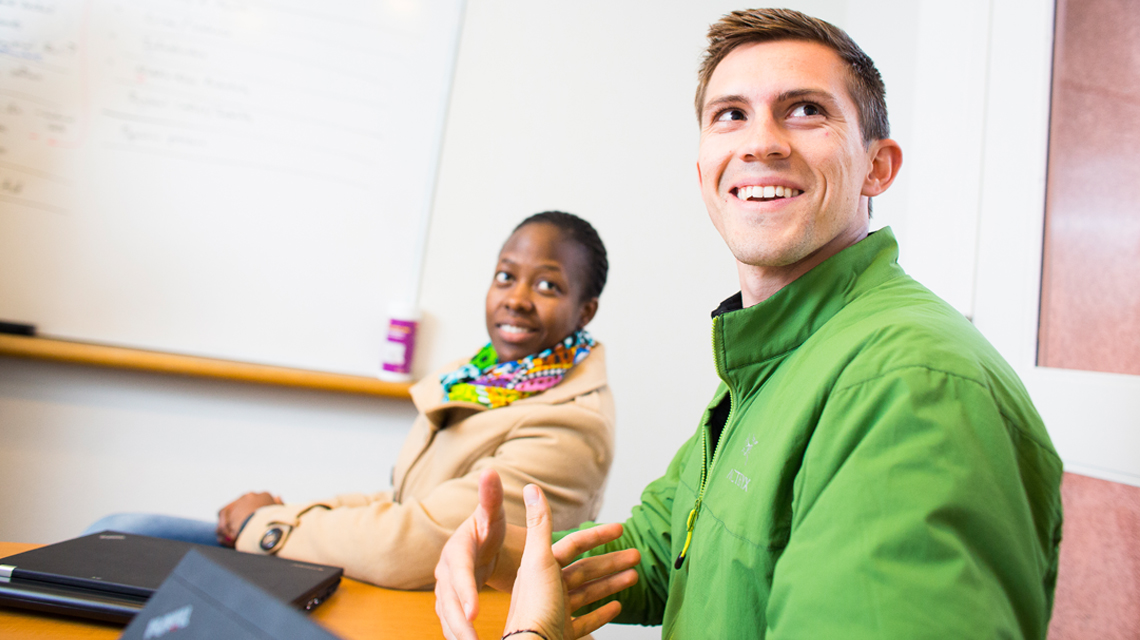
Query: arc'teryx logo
x=173, y=621
x=752, y=442
x=739, y=479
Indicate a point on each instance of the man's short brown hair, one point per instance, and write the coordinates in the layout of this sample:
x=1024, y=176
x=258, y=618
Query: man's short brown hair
x=766, y=25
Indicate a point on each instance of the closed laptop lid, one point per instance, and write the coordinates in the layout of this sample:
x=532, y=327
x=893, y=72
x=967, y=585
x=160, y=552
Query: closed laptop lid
x=126, y=569
x=203, y=601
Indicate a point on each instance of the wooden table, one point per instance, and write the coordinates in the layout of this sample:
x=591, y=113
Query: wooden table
x=356, y=611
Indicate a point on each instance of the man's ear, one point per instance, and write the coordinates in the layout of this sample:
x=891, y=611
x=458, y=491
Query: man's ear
x=586, y=312
x=886, y=159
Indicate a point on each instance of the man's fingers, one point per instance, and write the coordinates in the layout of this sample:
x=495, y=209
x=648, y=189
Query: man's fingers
x=491, y=492
x=455, y=575
x=594, y=620
x=439, y=613
x=452, y=618
x=490, y=519
x=537, y=520
x=469, y=552
x=596, y=590
x=588, y=569
x=580, y=542
x=462, y=580
x=456, y=596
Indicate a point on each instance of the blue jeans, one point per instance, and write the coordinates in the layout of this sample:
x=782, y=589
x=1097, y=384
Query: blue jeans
x=149, y=524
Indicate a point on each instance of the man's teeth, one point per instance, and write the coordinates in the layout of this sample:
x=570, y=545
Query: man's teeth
x=510, y=328
x=757, y=193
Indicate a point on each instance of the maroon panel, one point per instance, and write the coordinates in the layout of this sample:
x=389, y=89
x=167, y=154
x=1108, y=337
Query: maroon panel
x=1098, y=587
x=1090, y=294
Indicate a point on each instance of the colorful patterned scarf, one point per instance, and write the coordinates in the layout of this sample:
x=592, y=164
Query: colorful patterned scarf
x=497, y=384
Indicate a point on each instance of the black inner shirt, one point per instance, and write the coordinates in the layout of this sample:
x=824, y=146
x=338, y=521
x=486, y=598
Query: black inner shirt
x=717, y=418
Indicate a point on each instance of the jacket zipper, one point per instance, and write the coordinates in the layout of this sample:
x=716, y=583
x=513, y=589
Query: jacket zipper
x=706, y=462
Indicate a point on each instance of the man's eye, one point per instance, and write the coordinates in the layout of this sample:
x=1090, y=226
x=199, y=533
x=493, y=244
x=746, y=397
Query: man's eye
x=502, y=277
x=806, y=111
x=546, y=286
x=729, y=114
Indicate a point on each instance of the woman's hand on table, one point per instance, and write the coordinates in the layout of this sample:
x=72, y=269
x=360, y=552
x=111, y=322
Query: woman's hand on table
x=232, y=517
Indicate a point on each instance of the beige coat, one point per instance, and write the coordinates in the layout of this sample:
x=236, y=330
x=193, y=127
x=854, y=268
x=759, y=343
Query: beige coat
x=560, y=439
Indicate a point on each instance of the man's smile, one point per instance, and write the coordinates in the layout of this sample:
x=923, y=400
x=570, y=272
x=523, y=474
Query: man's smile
x=764, y=193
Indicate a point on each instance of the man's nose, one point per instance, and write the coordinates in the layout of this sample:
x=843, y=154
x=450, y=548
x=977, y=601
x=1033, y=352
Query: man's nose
x=765, y=139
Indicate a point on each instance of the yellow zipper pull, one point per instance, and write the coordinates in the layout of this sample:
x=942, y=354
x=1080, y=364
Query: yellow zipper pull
x=688, y=535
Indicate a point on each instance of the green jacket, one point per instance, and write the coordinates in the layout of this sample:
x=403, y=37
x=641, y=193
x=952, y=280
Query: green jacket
x=882, y=473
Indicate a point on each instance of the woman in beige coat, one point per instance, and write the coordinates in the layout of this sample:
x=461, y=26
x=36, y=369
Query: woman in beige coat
x=533, y=404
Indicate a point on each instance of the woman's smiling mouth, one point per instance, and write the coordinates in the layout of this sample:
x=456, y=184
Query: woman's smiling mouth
x=514, y=330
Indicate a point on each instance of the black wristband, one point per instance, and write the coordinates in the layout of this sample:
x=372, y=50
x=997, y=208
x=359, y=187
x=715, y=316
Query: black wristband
x=507, y=635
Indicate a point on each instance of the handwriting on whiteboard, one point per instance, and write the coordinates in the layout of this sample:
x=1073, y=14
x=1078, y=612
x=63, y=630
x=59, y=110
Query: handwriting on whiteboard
x=265, y=85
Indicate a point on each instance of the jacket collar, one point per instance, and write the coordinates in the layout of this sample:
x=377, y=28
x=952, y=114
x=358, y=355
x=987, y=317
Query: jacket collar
x=586, y=376
x=780, y=324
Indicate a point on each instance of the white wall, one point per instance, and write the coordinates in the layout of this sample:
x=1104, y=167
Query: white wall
x=583, y=106
x=79, y=442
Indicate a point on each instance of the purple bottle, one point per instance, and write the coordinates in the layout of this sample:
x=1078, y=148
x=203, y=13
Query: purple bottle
x=399, y=348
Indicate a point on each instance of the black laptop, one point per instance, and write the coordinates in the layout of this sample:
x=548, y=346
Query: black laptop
x=203, y=601
x=109, y=576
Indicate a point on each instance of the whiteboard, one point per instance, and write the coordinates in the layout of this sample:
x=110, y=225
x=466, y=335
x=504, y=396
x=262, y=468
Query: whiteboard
x=240, y=179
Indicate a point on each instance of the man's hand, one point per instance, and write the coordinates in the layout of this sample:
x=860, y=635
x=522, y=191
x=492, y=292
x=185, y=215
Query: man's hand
x=233, y=515
x=591, y=579
x=469, y=558
x=541, y=598
x=538, y=599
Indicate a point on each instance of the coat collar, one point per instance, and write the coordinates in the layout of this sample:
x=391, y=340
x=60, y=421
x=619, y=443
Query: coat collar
x=586, y=376
x=783, y=322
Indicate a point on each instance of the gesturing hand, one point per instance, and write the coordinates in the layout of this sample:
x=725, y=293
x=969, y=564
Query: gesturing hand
x=232, y=516
x=540, y=600
x=468, y=559
x=590, y=579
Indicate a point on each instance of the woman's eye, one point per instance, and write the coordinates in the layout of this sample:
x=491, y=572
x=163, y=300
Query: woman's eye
x=806, y=111
x=502, y=277
x=546, y=286
x=729, y=114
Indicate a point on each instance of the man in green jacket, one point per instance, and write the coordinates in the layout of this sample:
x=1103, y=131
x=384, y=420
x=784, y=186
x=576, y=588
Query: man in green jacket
x=869, y=467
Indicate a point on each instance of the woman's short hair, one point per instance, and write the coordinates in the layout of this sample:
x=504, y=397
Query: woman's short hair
x=584, y=234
